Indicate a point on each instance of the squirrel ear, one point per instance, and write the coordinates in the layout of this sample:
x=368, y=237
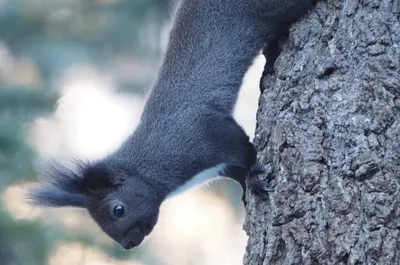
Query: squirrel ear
x=97, y=178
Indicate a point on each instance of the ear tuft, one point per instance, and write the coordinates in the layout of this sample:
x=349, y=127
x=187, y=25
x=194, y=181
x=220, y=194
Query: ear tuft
x=60, y=186
x=51, y=196
x=68, y=186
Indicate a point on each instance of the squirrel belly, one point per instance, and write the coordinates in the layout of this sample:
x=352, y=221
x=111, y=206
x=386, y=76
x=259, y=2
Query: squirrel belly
x=199, y=179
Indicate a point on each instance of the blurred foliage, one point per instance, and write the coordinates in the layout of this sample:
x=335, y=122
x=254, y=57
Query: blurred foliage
x=54, y=35
x=18, y=106
x=59, y=33
x=25, y=242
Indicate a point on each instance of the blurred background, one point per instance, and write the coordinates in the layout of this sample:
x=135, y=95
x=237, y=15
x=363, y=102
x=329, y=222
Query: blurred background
x=73, y=79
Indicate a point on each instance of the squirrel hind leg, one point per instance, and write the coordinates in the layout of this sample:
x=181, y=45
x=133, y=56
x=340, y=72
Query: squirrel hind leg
x=241, y=164
x=240, y=174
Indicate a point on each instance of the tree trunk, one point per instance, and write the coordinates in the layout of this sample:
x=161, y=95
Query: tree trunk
x=329, y=134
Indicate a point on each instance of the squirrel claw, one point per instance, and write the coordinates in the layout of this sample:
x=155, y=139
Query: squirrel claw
x=259, y=186
x=256, y=184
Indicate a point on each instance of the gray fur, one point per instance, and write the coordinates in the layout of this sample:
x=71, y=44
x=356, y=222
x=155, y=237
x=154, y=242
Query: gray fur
x=187, y=125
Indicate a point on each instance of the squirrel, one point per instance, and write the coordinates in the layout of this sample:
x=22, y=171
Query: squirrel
x=186, y=134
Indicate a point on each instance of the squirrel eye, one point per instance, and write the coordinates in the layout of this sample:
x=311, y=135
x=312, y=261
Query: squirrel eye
x=119, y=210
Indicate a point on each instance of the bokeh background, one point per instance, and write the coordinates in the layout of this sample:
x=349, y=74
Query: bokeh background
x=74, y=75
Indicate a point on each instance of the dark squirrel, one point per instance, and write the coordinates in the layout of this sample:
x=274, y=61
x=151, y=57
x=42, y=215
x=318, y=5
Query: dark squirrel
x=186, y=134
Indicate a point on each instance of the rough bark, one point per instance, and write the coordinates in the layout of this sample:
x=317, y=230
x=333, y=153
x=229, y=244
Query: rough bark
x=329, y=134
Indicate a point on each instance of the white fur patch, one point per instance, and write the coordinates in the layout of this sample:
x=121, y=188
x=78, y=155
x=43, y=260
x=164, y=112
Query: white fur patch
x=200, y=178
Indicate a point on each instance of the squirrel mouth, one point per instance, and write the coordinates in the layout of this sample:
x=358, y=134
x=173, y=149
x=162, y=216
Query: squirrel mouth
x=133, y=238
x=129, y=243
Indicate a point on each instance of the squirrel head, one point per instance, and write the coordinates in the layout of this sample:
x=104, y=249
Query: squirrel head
x=124, y=206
